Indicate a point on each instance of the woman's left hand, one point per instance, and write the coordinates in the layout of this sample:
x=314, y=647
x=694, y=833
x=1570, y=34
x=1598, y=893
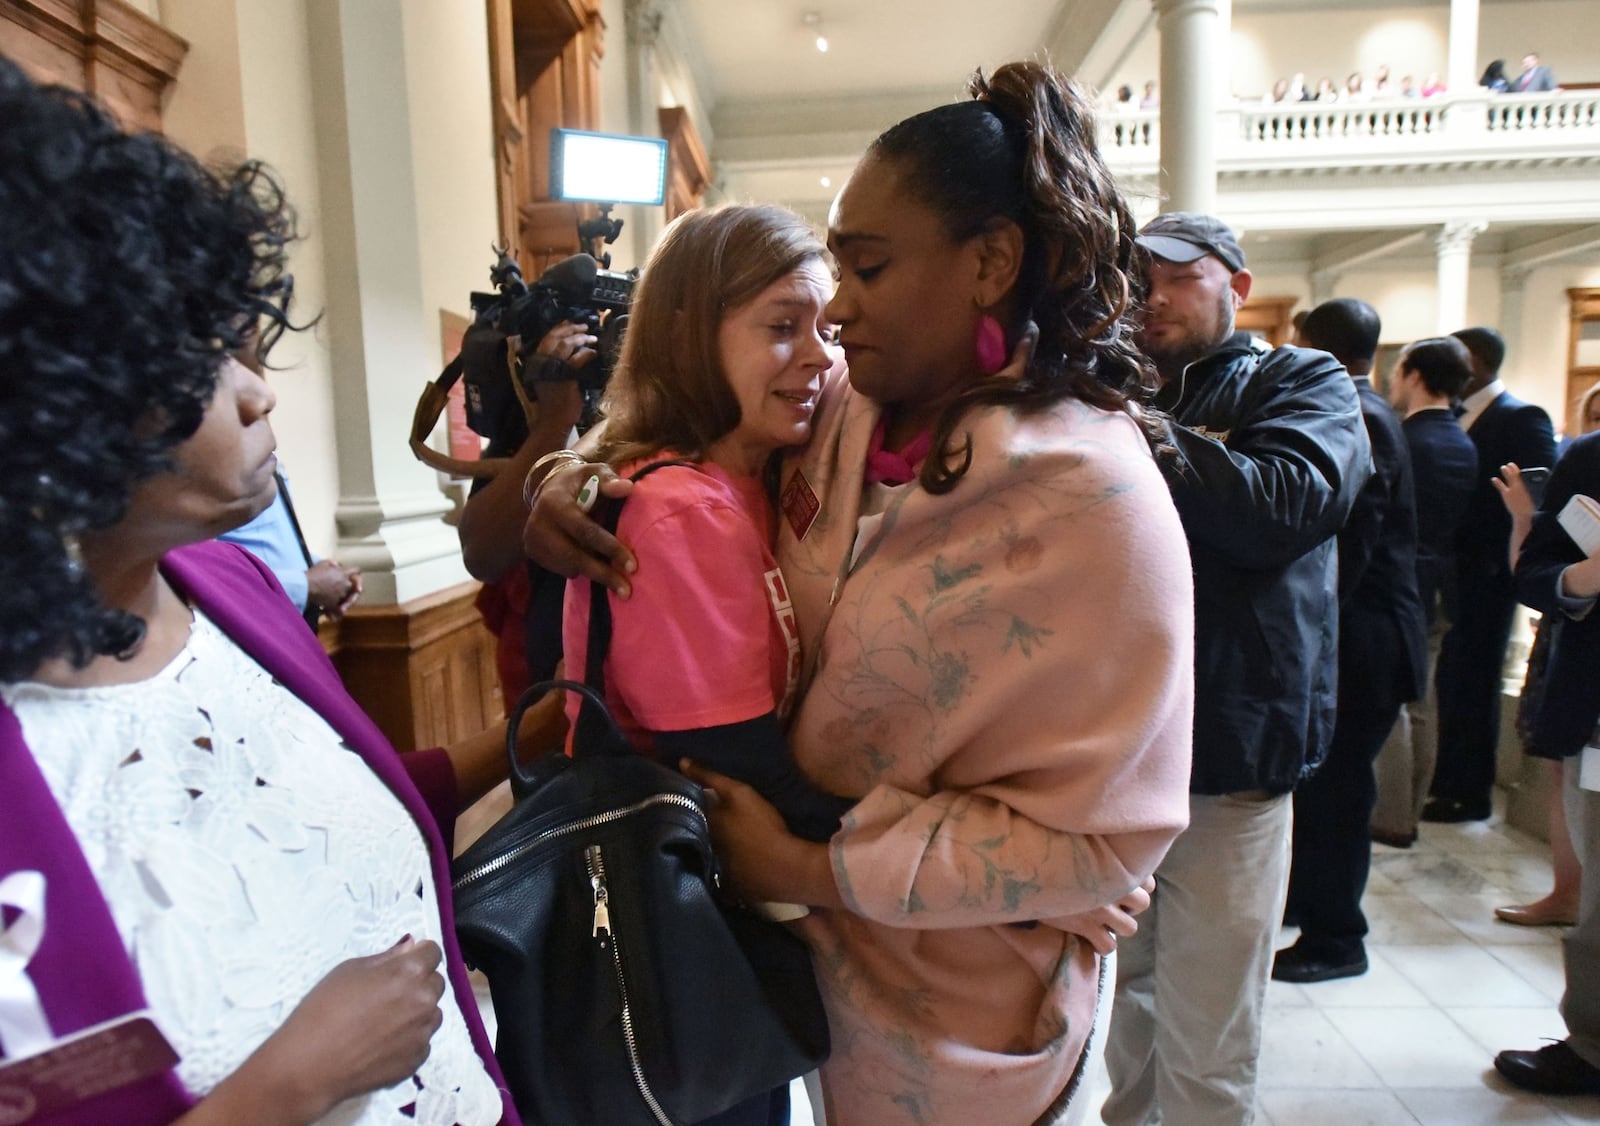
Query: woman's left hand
x=765, y=860
x=1102, y=926
x=1514, y=492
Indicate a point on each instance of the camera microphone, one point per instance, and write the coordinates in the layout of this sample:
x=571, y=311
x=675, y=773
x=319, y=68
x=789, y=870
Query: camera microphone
x=574, y=275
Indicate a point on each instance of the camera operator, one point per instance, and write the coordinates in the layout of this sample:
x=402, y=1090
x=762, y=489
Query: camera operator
x=520, y=602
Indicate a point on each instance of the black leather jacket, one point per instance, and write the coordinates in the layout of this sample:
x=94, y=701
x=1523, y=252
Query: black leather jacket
x=1271, y=454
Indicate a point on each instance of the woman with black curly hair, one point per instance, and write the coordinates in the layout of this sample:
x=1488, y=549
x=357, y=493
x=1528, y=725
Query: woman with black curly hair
x=198, y=819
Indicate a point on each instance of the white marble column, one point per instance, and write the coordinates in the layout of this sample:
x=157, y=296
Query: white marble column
x=1192, y=34
x=1222, y=54
x=1461, y=72
x=390, y=505
x=1454, y=248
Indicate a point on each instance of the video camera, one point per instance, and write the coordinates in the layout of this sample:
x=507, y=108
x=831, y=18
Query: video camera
x=575, y=289
x=500, y=378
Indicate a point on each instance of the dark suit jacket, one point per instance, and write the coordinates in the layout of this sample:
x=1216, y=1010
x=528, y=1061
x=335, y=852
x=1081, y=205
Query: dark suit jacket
x=1444, y=472
x=1571, y=701
x=1383, y=651
x=1539, y=80
x=1507, y=430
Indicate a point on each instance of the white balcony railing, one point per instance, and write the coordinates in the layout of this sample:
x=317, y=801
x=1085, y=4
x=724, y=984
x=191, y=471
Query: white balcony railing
x=1399, y=129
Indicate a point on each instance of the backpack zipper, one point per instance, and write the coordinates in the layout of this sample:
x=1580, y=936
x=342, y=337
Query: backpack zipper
x=602, y=922
x=489, y=867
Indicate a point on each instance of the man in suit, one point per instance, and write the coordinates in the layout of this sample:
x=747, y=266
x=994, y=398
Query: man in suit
x=1428, y=377
x=1536, y=78
x=1504, y=429
x=1554, y=577
x=1382, y=664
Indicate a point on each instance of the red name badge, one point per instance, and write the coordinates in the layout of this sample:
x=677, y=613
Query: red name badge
x=80, y=1066
x=799, y=504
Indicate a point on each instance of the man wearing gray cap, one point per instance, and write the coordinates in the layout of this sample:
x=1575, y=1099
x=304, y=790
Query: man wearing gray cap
x=1271, y=453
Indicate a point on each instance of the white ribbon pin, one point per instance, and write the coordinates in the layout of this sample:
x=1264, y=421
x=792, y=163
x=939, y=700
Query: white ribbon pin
x=24, y=1028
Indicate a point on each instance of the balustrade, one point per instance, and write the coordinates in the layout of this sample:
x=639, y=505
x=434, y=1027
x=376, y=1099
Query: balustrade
x=1393, y=128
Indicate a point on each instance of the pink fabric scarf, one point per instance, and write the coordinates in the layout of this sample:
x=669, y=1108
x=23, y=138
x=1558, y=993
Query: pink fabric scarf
x=889, y=467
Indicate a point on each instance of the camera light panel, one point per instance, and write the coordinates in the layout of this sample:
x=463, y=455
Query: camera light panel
x=607, y=167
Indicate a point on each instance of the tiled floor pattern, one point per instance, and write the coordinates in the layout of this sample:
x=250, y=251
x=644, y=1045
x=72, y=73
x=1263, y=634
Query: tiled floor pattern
x=1411, y=1042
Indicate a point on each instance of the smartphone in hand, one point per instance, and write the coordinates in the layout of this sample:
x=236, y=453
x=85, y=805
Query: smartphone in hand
x=1535, y=478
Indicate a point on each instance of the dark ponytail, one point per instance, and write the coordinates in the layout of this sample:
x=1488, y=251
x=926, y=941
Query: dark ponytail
x=1024, y=149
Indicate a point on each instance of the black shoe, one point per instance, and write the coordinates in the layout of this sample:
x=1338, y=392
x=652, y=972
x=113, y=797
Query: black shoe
x=1302, y=966
x=1554, y=1069
x=1395, y=840
x=1450, y=811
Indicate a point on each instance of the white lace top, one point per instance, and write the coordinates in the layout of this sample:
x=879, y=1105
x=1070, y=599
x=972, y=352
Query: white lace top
x=245, y=851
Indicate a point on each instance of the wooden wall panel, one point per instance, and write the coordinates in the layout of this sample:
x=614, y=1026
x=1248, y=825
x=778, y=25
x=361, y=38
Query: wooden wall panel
x=104, y=47
x=424, y=671
x=545, y=69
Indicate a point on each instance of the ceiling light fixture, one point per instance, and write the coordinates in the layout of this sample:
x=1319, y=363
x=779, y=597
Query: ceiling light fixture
x=813, y=21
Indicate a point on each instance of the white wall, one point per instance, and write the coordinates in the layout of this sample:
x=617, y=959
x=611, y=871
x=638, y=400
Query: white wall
x=1541, y=368
x=1332, y=43
x=452, y=150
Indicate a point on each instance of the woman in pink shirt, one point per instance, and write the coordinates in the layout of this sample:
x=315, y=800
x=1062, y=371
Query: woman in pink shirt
x=994, y=606
x=725, y=358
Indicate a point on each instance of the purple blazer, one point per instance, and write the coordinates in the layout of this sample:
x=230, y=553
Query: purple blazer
x=82, y=973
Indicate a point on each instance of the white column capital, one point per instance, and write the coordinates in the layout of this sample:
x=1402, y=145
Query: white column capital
x=1456, y=236
x=642, y=22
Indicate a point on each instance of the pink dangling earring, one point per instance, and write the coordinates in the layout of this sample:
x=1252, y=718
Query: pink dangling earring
x=991, y=345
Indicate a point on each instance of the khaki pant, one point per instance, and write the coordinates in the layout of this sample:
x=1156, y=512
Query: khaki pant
x=1405, y=765
x=1186, y=1028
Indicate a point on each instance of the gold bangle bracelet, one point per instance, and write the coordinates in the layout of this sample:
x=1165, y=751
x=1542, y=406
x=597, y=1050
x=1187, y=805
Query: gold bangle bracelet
x=530, y=489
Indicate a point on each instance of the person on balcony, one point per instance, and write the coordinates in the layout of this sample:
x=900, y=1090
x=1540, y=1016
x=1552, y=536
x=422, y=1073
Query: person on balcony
x=1433, y=85
x=1536, y=77
x=1494, y=77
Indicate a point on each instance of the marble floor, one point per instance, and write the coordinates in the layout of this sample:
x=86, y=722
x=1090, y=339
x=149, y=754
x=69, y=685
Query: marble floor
x=1411, y=1042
